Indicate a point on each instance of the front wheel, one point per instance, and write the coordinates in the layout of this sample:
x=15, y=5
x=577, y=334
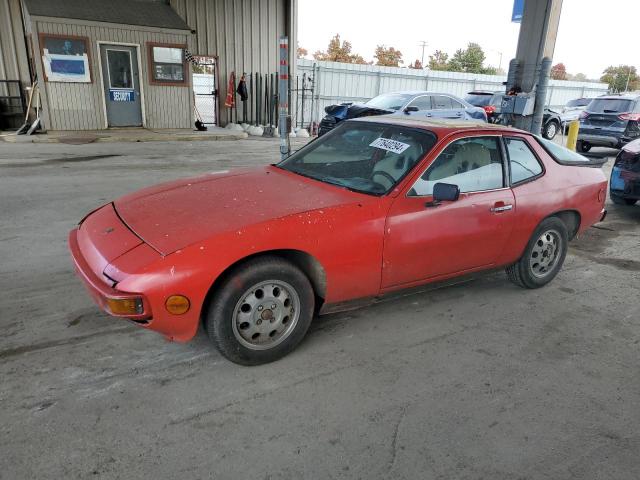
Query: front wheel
x=550, y=130
x=543, y=257
x=261, y=311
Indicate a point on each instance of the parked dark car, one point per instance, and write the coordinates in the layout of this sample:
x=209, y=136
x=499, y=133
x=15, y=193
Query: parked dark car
x=551, y=123
x=491, y=102
x=417, y=104
x=624, y=187
x=609, y=121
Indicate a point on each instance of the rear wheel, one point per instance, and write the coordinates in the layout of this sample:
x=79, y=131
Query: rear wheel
x=261, y=311
x=543, y=257
x=618, y=200
x=550, y=130
x=583, y=146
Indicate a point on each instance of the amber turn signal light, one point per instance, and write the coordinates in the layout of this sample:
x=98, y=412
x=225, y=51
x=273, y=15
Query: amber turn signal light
x=125, y=306
x=177, y=304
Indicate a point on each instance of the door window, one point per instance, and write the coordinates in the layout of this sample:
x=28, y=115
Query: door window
x=456, y=104
x=473, y=164
x=440, y=102
x=119, y=64
x=524, y=164
x=423, y=103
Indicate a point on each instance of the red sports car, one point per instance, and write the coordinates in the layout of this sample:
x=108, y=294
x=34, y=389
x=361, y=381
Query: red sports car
x=376, y=205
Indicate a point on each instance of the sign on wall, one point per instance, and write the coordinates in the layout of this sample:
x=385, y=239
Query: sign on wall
x=65, y=59
x=121, y=95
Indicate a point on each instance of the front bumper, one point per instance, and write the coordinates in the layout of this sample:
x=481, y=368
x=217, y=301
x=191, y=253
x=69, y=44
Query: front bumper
x=99, y=290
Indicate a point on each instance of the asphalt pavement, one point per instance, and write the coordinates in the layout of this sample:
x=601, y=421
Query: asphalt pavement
x=481, y=380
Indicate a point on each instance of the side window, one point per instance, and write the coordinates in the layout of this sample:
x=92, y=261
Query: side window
x=440, y=102
x=456, y=104
x=473, y=164
x=423, y=103
x=523, y=162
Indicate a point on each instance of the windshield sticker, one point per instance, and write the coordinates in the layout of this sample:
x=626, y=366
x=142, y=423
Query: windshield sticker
x=389, y=145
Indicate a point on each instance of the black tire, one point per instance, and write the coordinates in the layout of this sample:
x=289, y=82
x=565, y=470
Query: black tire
x=522, y=274
x=583, y=146
x=221, y=314
x=618, y=200
x=550, y=130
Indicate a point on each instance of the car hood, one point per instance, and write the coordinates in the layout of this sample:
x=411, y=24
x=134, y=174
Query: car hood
x=174, y=215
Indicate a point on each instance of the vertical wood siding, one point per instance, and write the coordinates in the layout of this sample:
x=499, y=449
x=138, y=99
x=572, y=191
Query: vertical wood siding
x=13, y=55
x=243, y=34
x=79, y=106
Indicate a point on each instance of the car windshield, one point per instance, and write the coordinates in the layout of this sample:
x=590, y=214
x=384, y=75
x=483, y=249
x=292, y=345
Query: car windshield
x=478, y=99
x=365, y=157
x=560, y=153
x=610, y=105
x=389, y=101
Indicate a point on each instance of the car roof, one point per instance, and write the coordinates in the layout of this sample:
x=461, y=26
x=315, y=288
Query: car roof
x=623, y=96
x=482, y=92
x=418, y=92
x=439, y=127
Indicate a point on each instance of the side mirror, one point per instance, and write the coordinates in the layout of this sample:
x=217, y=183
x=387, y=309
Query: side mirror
x=445, y=192
x=408, y=110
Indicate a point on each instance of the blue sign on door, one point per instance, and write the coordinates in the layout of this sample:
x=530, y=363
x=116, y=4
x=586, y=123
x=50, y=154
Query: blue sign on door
x=121, y=95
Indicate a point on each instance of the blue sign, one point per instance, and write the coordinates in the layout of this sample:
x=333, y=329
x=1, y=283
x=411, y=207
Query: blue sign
x=71, y=65
x=121, y=95
x=518, y=9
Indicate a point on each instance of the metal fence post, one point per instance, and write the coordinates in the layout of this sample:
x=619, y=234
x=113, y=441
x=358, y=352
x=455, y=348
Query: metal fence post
x=283, y=81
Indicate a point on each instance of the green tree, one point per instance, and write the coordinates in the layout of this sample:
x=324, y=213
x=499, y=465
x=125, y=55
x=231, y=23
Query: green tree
x=470, y=59
x=621, y=78
x=578, y=77
x=387, y=56
x=559, y=72
x=338, y=51
x=438, y=61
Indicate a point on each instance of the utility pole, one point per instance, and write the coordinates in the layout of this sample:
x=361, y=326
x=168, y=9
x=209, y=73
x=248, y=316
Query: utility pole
x=422, y=44
x=626, y=88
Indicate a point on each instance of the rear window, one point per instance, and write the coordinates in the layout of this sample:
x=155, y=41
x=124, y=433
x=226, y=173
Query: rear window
x=579, y=102
x=478, y=100
x=560, y=154
x=610, y=105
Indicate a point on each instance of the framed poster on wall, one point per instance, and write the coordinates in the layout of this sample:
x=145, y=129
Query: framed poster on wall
x=65, y=58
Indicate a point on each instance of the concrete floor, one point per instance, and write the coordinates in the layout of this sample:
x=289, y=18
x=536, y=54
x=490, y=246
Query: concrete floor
x=480, y=380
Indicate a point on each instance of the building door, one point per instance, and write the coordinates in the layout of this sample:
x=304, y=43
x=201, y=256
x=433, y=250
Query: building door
x=121, y=80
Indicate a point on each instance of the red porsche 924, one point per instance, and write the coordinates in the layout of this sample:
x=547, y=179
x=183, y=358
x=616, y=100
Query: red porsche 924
x=378, y=204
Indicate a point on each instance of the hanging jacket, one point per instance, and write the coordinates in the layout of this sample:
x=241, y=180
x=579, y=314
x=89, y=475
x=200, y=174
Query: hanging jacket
x=242, y=89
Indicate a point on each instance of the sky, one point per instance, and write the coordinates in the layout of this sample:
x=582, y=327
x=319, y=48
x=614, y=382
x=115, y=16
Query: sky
x=593, y=34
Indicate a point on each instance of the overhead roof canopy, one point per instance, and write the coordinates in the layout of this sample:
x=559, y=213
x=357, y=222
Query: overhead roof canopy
x=149, y=13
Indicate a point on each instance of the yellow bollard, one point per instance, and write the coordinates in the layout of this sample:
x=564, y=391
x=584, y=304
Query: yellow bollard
x=572, y=137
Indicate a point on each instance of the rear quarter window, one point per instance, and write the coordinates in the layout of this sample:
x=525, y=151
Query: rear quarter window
x=561, y=155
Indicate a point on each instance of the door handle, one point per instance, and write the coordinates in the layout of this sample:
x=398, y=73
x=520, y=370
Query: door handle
x=501, y=208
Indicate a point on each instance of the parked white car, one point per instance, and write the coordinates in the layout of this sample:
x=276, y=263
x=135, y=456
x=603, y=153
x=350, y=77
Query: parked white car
x=571, y=111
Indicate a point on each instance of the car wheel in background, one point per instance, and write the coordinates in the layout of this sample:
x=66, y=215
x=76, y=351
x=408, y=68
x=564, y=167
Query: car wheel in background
x=543, y=257
x=261, y=311
x=583, y=146
x=618, y=200
x=550, y=130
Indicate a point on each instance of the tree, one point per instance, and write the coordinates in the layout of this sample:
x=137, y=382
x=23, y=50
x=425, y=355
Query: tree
x=438, y=61
x=559, y=72
x=302, y=52
x=339, y=52
x=387, y=57
x=578, y=77
x=417, y=65
x=469, y=60
x=621, y=78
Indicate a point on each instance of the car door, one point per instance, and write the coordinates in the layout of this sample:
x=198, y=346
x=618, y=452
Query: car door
x=426, y=241
x=423, y=104
x=446, y=107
